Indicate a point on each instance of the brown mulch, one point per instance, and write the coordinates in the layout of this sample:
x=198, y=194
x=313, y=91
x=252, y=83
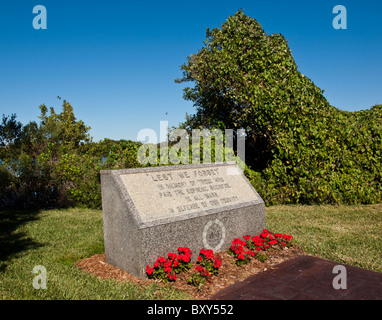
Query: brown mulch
x=229, y=273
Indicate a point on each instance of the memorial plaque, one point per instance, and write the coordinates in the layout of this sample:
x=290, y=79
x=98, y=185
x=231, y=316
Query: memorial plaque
x=151, y=211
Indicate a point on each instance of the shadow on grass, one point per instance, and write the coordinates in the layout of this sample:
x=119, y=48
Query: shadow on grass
x=13, y=241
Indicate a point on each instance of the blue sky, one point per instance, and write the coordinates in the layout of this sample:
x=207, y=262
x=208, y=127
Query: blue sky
x=116, y=61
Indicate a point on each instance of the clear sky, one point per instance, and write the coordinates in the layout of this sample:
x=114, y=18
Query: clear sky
x=116, y=61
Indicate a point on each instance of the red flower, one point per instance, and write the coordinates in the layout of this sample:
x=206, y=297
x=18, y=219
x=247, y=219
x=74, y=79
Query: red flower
x=171, y=276
x=257, y=240
x=167, y=269
x=239, y=250
x=217, y=264
x=167, y=263
x=160, y=259
x=149, y=270
x=237, y=241
x=187, y=251
x=240, y=256
x=171, y=256
x=199, y=268
x=207, y=253
x=250, y=253
x=202, y=271
x=246, y=237
x=265, y=233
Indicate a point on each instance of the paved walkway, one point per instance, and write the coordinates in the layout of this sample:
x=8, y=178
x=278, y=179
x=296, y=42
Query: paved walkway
x=305, y=278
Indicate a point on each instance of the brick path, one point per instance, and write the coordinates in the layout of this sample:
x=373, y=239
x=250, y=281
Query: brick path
x=305, y=278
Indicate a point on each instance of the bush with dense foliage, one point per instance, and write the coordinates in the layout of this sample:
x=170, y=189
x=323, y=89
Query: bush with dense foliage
x=55, y=163
x=299, y=148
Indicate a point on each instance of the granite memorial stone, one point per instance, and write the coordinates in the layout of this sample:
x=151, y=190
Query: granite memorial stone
x=148, y=212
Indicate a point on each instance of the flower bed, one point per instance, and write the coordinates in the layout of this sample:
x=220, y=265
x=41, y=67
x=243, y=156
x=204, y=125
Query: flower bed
x=208, y=264
x=243, y=251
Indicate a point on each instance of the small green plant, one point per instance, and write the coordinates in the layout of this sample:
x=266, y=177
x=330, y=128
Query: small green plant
x=237, y=250
x=200, y=277
x=209, y=261
x=207, y=266
x=262, y=257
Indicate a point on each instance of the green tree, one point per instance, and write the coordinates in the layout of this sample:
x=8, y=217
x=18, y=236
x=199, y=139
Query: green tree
x=55, y=163
x=63, y=128
x=247, y=79
x=302, y=148
x=10, y=134
x=35, y=171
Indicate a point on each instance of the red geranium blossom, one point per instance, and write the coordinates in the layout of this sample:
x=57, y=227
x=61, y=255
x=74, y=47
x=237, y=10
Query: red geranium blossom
x=250, y=253
x=265, y=233
x=149, y=270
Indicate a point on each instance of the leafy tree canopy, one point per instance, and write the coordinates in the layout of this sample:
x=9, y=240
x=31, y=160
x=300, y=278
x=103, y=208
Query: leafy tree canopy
x=304, y=149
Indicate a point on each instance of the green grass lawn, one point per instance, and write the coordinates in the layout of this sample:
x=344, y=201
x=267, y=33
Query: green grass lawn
x=346, y=234
x=57, y=239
